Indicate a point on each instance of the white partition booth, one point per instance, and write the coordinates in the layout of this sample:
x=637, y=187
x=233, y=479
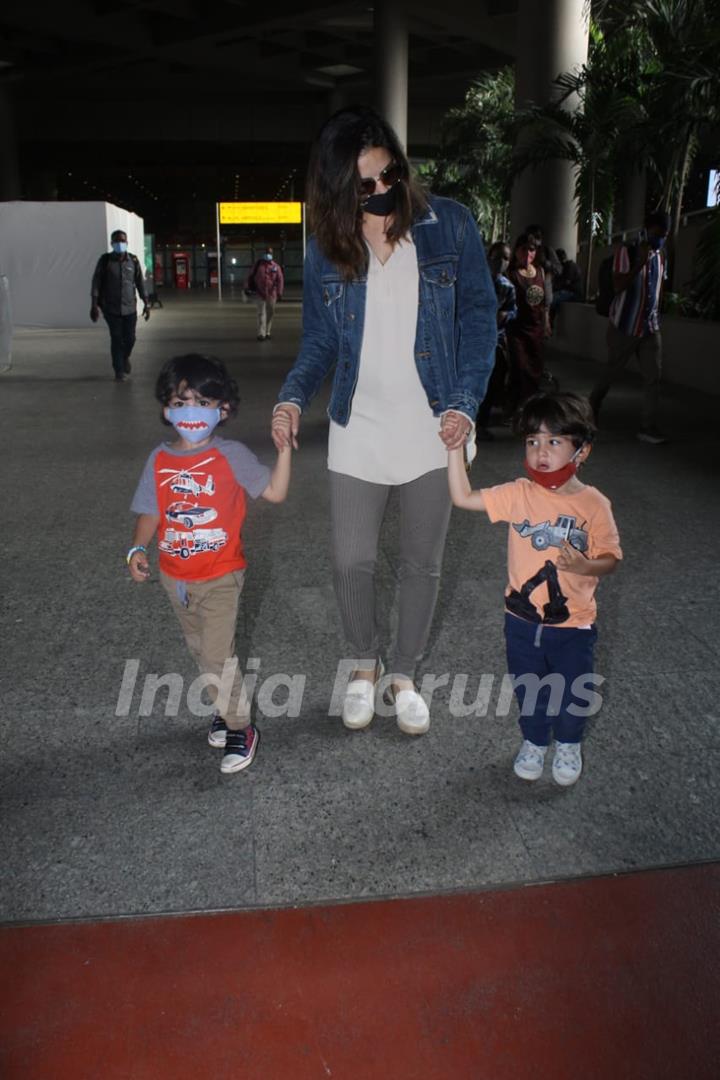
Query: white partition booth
x=48, y=252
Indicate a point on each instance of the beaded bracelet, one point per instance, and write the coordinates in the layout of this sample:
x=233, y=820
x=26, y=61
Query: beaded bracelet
x=134, y=551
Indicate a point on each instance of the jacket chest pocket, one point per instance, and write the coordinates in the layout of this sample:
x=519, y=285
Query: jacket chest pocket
x=441, y=274
x=331, y=292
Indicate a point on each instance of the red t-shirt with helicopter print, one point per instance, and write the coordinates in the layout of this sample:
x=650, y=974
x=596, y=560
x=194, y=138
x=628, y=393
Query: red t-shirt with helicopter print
x=200, y=497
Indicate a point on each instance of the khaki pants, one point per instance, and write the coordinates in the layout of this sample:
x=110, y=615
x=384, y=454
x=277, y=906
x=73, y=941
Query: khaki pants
x=621, y=348
x=265, y=312
x=208, y=622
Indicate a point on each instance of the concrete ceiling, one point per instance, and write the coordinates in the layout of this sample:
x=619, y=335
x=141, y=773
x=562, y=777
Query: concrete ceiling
x=193, y=97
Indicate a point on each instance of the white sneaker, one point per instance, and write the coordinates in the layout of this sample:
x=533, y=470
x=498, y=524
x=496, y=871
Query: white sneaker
x=411, y=712
x=567, y=763
x=359, y=703
x=530, y=761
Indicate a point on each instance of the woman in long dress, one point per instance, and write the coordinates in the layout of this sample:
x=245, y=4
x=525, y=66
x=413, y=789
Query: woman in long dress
x=530, y=327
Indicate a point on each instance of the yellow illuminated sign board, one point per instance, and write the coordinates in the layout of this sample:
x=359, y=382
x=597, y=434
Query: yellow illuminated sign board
x=260, y=213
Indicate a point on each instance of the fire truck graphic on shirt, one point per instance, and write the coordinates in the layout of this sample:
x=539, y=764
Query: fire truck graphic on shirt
x=185, y=544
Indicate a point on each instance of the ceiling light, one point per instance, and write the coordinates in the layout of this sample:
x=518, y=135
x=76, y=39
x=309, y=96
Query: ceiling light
x=337, y=70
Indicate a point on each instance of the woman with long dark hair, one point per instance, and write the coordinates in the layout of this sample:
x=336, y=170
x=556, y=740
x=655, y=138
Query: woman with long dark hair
x=530, y=327
x=398, y=300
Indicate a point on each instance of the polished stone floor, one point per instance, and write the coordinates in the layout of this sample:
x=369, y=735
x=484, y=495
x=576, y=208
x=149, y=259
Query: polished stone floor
x=106, y=815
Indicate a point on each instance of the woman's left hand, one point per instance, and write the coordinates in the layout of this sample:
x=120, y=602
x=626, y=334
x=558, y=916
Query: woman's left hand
x=454, y=429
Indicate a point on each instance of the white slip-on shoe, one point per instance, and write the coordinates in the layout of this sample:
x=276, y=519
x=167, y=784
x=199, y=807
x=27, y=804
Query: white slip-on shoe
x=411, y=712
x=359, y=702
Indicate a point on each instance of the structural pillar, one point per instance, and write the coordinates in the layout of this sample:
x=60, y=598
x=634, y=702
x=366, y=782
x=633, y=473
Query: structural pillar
x=391, y=64
x=9, y=169
x=552, y=37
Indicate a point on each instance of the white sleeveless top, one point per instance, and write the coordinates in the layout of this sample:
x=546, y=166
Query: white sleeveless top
x=392, y=436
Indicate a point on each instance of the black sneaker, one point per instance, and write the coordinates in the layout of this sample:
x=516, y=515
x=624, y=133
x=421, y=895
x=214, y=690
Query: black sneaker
x=240, y=747
x=218, y=731
x=652, y=435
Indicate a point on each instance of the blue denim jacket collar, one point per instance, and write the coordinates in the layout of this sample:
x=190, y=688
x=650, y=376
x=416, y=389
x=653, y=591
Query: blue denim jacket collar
x=429, y=218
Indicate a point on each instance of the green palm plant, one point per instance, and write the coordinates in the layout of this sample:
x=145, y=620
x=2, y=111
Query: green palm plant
x=678, y=82
x=651, y=82
x=589, y=123
x=474, y=162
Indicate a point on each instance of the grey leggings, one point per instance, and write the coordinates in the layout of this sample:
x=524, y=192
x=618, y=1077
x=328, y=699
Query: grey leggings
x=357, y=510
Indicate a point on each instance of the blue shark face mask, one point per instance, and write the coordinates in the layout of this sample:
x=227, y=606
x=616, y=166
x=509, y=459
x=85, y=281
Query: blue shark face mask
x=119, y=247
x=194, y=422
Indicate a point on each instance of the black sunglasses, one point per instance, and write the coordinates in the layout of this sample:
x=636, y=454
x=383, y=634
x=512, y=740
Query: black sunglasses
x=389, y=176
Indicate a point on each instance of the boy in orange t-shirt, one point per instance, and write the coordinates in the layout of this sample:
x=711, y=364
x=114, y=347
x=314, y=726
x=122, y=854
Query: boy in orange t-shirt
x=562, y=539
x=193, y=494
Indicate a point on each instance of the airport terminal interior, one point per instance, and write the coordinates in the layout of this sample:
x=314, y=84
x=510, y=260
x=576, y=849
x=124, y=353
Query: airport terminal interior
x=361, y=905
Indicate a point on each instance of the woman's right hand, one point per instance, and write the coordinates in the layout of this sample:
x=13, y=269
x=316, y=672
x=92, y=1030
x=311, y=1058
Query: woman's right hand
x=285, y=427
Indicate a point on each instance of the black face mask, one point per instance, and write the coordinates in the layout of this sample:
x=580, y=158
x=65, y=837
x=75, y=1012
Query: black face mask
x=382, y=205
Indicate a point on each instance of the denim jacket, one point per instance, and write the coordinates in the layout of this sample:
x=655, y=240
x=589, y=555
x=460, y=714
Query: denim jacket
x=456, y=324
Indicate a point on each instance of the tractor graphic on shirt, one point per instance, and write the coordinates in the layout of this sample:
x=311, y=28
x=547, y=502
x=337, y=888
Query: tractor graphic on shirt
x=545, y=535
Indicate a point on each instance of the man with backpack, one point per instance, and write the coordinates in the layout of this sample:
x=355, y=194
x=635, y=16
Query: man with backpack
x=266, y=280
x=638, y=272
x=117, y=276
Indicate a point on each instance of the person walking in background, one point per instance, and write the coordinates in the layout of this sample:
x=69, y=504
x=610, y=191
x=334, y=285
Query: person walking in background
x=498, y=261
x=634, y=322
x=118, y=276
x=546, y=259
x=398, y=300
x=528, y=330
x=268, y=283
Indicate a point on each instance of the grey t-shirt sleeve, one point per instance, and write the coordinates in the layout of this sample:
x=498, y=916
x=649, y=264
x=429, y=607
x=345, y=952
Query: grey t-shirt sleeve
x=145, y=497
x=247, y=470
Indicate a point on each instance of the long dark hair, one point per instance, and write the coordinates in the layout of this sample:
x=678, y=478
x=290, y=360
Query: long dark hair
x=525, y=239
x=333, y=191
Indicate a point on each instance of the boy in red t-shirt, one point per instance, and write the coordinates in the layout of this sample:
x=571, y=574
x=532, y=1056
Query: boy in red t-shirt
x=562, y=539
x=193, y=493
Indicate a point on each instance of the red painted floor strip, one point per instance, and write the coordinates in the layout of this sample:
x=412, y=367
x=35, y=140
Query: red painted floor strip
x=603, y=979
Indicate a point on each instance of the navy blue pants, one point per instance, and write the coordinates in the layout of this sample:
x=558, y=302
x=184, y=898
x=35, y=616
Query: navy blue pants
x=122, y=338
x=545, y=661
